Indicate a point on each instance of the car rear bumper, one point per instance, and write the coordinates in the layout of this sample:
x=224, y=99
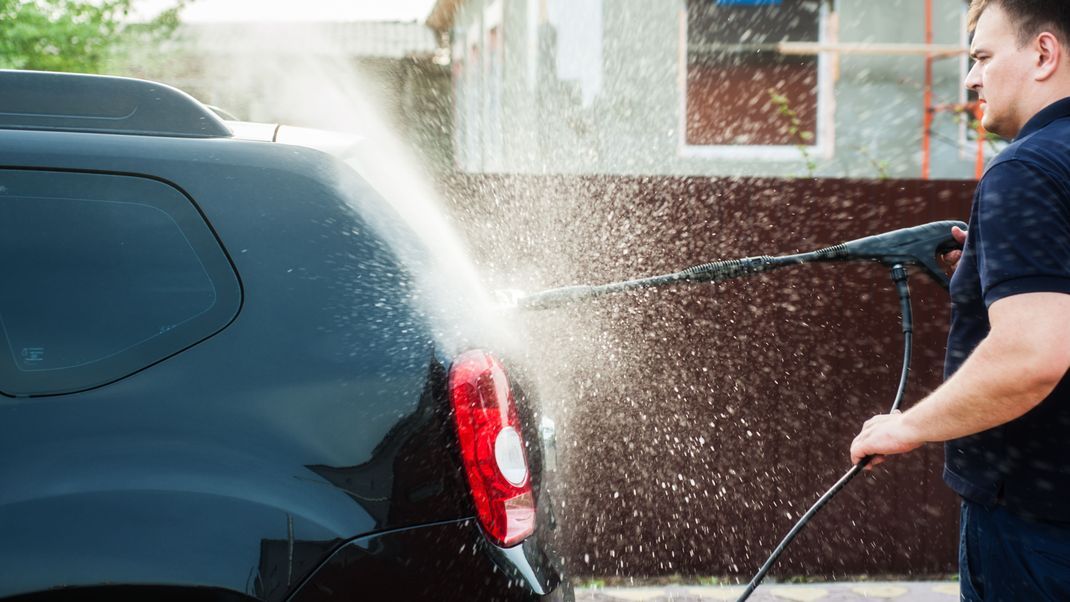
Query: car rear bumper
x=444, y=561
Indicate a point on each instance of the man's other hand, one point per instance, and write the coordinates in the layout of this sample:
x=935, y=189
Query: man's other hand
x=883, y=435
x=950, y=260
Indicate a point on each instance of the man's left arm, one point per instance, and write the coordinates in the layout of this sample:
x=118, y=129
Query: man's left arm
x=1019, y=363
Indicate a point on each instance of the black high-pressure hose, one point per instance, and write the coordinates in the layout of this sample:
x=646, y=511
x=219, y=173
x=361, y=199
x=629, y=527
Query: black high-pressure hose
x=899, y=276
x=916, y=246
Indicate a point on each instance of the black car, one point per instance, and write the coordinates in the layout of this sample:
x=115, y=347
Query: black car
x=225, y=375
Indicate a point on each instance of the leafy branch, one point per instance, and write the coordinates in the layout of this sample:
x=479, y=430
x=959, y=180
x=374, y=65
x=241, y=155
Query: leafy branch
x=803, y=138
x=881, y=165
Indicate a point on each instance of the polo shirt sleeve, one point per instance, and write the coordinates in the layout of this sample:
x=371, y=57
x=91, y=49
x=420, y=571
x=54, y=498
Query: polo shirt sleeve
x=1023, y=232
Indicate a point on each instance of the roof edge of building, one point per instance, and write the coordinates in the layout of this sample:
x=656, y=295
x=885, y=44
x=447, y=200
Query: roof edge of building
x=441, y=17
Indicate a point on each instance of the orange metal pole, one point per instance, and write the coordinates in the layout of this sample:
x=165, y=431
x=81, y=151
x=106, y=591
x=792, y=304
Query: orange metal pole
x=926, y=138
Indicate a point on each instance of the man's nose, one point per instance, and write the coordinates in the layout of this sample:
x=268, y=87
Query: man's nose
x=973, y=78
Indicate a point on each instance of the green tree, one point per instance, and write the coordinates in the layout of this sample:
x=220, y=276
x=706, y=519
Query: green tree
x=72, y=35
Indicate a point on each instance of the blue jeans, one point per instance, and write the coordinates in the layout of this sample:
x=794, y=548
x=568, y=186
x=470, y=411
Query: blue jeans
x=1005, y=558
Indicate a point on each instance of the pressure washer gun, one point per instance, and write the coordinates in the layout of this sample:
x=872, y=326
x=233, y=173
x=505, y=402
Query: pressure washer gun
x=918, y=246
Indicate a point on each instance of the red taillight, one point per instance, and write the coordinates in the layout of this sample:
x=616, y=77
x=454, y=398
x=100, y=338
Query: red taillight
x=492, y=447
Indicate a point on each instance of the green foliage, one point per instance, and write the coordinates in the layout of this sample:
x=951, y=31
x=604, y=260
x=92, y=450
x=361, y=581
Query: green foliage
x=71, y=35
x=881, y=165
x=803, y=138
x=708, y=581
x=591, y=584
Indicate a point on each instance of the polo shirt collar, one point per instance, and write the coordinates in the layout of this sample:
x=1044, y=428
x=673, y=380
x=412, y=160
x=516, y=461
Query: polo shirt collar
x=1057, y=109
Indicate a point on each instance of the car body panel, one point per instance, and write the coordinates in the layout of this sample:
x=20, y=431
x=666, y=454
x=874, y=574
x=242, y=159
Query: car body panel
x=315, y=418
x=448, y=561
x=166, y=537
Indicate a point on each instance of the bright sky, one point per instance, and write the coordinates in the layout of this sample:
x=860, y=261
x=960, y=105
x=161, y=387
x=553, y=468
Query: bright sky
x=200, y=11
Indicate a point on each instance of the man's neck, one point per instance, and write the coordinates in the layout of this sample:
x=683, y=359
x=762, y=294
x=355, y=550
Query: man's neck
x=1057, y=90
x=1040, y=101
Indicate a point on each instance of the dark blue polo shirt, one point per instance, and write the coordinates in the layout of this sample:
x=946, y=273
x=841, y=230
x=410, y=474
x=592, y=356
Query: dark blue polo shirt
x=1018, y=242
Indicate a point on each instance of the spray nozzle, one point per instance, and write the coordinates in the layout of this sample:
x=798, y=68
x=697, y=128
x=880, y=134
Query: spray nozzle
x=507, y=297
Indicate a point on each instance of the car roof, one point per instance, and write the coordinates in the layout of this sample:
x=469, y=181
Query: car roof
x=36, y=100
x=72, y=102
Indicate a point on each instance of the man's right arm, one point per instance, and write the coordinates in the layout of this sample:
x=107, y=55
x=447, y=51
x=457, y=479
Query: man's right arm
x=1012, y=370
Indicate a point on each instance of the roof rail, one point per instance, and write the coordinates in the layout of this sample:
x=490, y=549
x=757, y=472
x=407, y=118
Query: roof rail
x=37, y=100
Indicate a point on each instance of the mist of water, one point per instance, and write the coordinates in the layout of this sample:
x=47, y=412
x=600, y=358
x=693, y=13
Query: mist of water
x=680, y=413
x=325, y=100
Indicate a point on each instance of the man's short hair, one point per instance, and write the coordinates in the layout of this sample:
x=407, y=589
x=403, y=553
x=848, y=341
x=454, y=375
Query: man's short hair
x=1031, y=17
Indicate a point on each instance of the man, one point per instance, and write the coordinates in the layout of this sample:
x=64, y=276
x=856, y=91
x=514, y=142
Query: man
x=1004, y=408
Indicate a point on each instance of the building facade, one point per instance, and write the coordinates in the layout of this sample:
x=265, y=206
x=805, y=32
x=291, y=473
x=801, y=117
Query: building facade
x=826, y=88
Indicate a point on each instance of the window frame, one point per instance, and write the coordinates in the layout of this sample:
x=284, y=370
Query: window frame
x=824, y=138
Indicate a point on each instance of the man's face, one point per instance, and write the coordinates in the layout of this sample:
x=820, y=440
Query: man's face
x=1001, y=73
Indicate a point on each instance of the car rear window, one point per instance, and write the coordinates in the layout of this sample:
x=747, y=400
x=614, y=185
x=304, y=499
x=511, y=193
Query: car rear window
x=102, y=275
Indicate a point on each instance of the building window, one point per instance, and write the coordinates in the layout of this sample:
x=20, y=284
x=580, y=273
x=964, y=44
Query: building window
x=494, y=144
x=478, y=81
x=467, y=78
x=740, y=88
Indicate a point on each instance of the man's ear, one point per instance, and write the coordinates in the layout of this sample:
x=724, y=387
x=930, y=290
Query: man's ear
x=1049, y=55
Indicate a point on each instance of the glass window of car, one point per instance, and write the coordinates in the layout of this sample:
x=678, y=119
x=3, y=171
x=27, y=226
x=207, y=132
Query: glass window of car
x=102, y=276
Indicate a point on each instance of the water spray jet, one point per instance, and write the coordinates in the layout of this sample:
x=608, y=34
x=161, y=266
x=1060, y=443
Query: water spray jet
x=917, y=246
